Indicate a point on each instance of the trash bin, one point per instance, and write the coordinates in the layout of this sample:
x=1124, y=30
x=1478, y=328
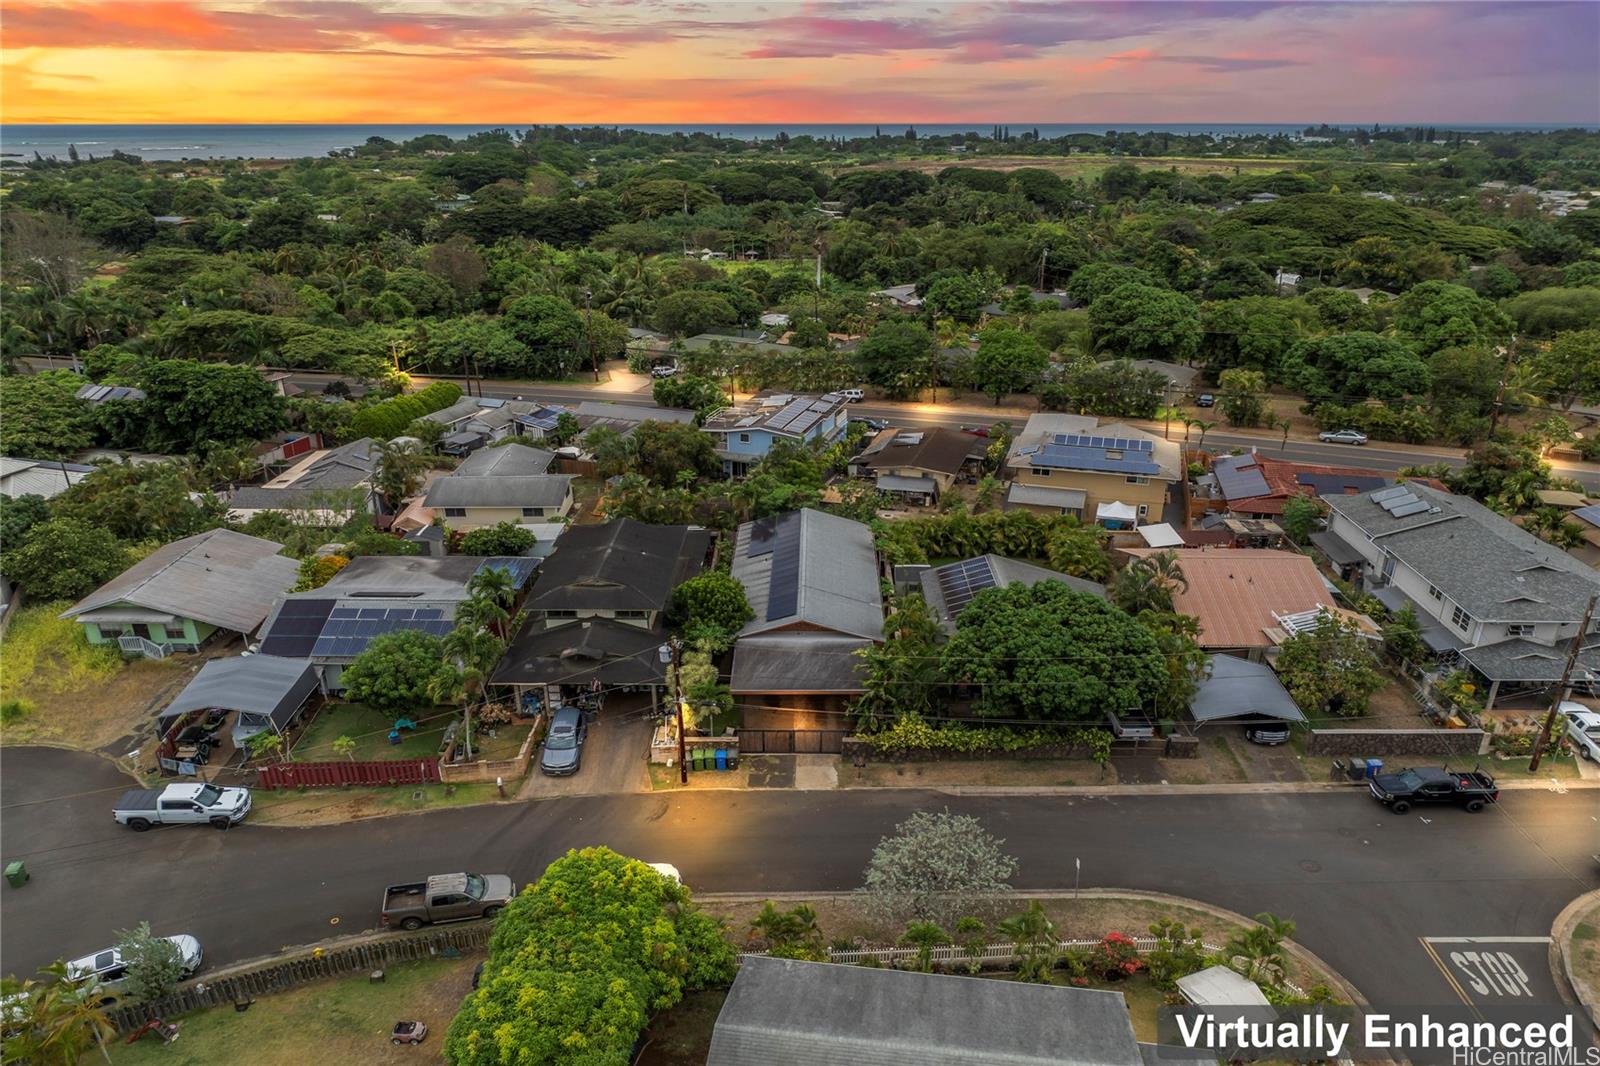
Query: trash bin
x=722, y=758
x=699, y=758
x=1374, y=768
x=733, y=759
x=16, y=873
x=1358, y=769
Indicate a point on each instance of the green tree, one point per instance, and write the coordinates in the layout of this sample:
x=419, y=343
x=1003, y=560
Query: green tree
x=1465, y=381
x=1148, y=583
x=688, y=392
x=41, y=416
x=506, y=538
x=924, y=936
x=1437, y=315
x=955, y=297
x=1235, y=276
x=1089, y=283
x=1402, y=635
x=1035, y=942
x=64, y=559
x=580, y=961
x=1145, y=322
x=790, y=934
x=154, y=964
x=1347, y=368
x=898, y=357
x=710, y=603
x=689, y=312
x=567, y=429
x=398, y=672
x=1572, y=366
x=18, y=515
x=1547, y=312
x=1330, y=669
x=902, y=673
x=1243, y=399
x=1079, y=551
x=191, y=407
x=399, y=472
x=140, y=501
x=1049, y=652
x=55, y=1021
x=1258, y=952
x=549, y=327
x=1301, y=513
x=935, y=867
x=1008, y=361
x=663, y=451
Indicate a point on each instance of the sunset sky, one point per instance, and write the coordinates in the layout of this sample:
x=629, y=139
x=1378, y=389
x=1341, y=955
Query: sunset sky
x=658, y=61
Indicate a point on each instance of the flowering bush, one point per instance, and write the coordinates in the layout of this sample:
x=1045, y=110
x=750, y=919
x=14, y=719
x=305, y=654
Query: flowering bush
x=1115, y=957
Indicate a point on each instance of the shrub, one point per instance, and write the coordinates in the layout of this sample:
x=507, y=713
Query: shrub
x=909, y=735
x=47, y=654
x=388, y=419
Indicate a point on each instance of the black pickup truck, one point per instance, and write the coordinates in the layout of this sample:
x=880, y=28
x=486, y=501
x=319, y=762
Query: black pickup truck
x=1431, y=784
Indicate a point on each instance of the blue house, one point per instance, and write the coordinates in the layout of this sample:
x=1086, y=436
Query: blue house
x=745, y=432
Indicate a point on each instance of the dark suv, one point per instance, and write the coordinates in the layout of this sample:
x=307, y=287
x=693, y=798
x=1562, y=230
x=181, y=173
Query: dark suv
x=563, y=745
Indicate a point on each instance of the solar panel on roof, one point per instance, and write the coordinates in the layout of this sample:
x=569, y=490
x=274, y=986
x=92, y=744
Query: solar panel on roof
x=426, y=614
x=783, y=584
x=343, y=612
x=1405, y=509
x=1389, y=493
x=960, y=582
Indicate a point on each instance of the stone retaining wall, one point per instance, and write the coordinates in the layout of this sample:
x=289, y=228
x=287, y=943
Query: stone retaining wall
x=1459, y=742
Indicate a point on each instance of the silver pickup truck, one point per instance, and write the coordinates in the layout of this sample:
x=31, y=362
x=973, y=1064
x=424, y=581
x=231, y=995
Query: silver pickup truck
x=446, y=898
x=141, y=808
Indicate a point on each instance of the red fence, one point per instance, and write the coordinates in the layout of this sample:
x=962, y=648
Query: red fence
x=334, y=774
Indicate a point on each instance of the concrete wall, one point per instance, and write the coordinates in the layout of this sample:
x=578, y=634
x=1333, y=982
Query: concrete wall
x=1381, y=742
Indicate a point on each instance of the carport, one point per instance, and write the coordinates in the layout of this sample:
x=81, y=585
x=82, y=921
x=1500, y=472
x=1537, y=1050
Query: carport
x=268, y=692
x=1244, y=692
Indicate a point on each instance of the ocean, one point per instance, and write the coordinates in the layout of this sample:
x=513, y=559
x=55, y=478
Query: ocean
x=291, y=141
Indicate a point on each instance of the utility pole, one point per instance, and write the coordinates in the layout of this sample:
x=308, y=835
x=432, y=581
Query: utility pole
x=588, y=335
x=668, y=653
x=1561, y=688
x=1043, y=255
x=1505, y=376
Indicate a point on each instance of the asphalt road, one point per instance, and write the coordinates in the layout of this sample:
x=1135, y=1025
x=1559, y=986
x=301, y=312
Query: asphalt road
x=1364, y=886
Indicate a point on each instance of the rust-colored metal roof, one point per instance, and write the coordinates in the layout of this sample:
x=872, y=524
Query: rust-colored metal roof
x=1234, y=592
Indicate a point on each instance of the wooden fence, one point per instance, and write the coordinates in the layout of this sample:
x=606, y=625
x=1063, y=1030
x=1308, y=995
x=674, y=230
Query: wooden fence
x=313, y=964
x=337, y=774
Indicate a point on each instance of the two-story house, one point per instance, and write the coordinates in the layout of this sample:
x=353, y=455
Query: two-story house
x=745, y=432
x=1485, y=591
x=510, y=483
x=1114, y=475
x=595, y=617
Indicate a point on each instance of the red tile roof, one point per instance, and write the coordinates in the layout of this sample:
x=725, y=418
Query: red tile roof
x=1282, y=478
x=1234, y=592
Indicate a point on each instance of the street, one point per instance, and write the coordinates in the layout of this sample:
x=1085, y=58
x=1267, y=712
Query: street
x=1365, y=887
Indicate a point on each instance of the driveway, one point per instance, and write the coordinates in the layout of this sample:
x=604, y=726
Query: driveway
x=1379, y=896
x=615, y=760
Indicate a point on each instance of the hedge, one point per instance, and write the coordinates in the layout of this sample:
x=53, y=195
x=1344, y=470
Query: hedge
x=913, y=734
x=389, y=419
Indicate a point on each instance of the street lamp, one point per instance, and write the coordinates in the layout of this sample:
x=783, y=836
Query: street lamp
x=668, y=654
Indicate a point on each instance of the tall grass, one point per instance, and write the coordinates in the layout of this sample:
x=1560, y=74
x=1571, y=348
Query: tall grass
x=46, y=654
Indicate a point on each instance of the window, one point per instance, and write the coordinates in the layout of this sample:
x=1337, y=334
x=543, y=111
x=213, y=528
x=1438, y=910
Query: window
x=744, y=438
x=1524, y=629
x=1461, y=619
x=1144, y=510
x=455, y=512
x=561, y=614
x=1388, y=566
x=632, y=614
x=1137, y=479
x=1037, y=471
x=1433, y=591
x=533, y=512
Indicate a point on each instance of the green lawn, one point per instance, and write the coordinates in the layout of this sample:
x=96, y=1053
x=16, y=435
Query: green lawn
x=345, y=1020
x=370, y=730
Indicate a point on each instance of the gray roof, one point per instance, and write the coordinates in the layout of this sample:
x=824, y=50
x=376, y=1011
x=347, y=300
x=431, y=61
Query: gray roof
x=948, y=589
x=506, y=460
x=1239, y=477
x=799, y=663
x=1240, y=690
x=577, y=653
x=783, y=1012
x=222, y=578
x=620, y=565
x=405, y=575
x=786, y=414
x=260, y=684
x=809, y=567
x=1524, y=661
x=938, y=449
x=1218, y=986
x=541, y=490
x=39, y=477
x=626, y=412
x=483, y=412
x=1494, y=570
x=345, y=467
x=1045, y=496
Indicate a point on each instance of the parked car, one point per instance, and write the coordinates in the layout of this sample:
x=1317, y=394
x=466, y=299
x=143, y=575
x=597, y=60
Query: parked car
x=976, y=431
x=667, y=870
x=1471, y=789
x=1342, y=436
x=1131, y=726
x=1583, y=729
x=141, y=808
x=109, y=967
x=1276, y=733
x=563, y=745
x=852, y=395
x=871, y=425
x=446, y=898
x=665, y=370
x=1205, y=399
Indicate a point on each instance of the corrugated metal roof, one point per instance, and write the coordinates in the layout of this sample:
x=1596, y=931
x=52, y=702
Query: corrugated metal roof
x=260, y=684
x=1044, y=496
x=1239, y=689
x=833, y=587
x=219, y=577
x=809, y=663
x=1234, y=592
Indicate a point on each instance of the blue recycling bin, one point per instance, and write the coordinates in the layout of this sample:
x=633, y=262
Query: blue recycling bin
x=1374, y=768
x=722, y=758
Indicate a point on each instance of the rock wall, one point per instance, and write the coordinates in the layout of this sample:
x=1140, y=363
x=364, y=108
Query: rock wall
x=1380, y=742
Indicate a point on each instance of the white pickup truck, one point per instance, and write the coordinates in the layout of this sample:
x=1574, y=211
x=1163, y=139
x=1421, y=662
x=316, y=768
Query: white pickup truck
x=141, y=808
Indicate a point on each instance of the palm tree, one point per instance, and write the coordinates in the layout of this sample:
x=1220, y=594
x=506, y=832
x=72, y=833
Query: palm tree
x=1148, y=584
x=1033, y=936
x=924, y=936
x=1285, y=425
x=1204, y=428
x=1188, y=424
x=789, y=934
x=399, y=473
x=1258, y=952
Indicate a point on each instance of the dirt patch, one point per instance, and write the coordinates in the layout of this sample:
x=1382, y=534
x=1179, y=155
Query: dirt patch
x=333, y=806
x=681, y=1035
x=99, y=713
x=1036, y=772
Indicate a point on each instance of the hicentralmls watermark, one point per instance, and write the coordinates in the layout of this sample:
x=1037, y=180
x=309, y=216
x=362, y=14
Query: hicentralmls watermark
x=1446, y=1036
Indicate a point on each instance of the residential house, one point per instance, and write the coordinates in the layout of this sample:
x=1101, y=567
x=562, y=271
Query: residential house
x=96, y=395
x=745, y=432
x=595, y=618
x=493, y=419
x=184, y=593
x=1248, y=601
x=902, y=296
x=285, y=448
x=374, y=595
x=1180, y=379
x=1486, y=591
x=332, y=484
x=811, y=579
x=784, y=1012
x=1257, y=486
x=1113, y=475
x=39, y=477
x=744, y=340
x=919, y=465
x=505, y=484
x=949, y=589
x=624, y=418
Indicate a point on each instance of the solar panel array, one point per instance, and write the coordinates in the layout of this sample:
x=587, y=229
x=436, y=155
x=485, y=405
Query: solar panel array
x=1126, y=444
x=960, y=582
x=783, y=585
x=1400, y=501
x=294, y=632
x=1075, y=451
x=798, y=416
x=544, y=418
x=349, y=630
x=761, y=531
x=1589, y=514
x=520, y=567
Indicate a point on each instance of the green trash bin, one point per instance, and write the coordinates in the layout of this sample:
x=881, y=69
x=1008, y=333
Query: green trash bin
x=16, y=873
x=699, y=758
